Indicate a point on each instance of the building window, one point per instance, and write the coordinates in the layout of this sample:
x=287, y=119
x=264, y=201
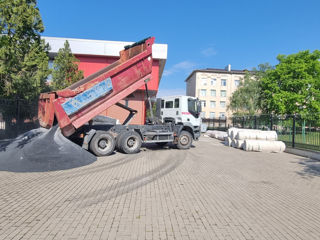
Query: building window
x=213, y=82
x=222, y=104
x=212, y=104
x=204, y=82
x=223, y=93
x=237, y=83
x=203, y=92
x=212, y=114
x=203, y=104
x=223, y=82
x=169, y=104
x=222, y=115
x=213, y=93
x=176, y=103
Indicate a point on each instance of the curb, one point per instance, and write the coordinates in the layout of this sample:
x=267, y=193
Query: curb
x=304, y=153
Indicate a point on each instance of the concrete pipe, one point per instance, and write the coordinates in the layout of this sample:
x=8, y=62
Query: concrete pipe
x=264, y=146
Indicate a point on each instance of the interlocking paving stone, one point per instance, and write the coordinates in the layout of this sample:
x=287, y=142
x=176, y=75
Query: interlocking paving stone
x=208, y=192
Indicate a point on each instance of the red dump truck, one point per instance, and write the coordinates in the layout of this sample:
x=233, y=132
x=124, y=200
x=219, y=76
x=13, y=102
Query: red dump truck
x=76, y=109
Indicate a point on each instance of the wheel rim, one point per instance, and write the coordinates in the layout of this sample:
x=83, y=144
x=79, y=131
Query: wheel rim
x=103, y=144
x=184, y=140
x=132, y=142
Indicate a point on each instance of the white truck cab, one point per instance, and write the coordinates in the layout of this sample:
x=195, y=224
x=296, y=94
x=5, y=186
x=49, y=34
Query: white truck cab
x=180, y=109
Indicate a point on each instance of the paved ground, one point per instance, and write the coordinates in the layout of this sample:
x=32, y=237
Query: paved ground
x=208, y=192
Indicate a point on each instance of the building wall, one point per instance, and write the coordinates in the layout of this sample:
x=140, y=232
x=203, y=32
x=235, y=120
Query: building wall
x=96, y=54
x=203, y=83
x=191, y=86
x=135, y=102
x=91, y=64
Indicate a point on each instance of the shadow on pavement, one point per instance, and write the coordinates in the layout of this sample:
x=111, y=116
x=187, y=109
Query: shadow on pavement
x=311, y=168
x=156, y=147
x=67, y=175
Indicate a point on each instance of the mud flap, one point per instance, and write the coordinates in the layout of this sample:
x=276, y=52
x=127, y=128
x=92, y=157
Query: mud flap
x=87, y=139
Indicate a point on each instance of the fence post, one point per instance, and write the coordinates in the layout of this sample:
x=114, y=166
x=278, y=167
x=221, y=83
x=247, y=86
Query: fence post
x=225, y=123
x=271, y=122
x=255, y=122
x=17, y=115
x=293, y=130
x=304, y=130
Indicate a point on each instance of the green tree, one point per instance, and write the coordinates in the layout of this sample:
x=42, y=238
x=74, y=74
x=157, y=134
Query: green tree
x=245, y=100
x=293, y=86
x=23, y=55
x=65, y=69
x=154, y=108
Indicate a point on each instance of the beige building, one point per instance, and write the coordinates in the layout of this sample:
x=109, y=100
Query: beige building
x=214, y=88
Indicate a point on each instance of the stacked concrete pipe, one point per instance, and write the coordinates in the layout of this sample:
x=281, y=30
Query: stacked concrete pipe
x=254, y=140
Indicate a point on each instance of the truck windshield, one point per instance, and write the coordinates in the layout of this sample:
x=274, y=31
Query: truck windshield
x=193, y=107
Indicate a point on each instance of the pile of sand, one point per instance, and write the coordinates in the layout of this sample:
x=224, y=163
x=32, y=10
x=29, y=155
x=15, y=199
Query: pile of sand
x=42, y=150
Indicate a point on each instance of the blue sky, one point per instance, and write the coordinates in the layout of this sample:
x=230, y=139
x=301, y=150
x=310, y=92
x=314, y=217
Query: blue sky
x=199, y=34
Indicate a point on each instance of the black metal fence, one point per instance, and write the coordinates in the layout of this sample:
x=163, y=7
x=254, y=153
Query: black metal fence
x=17, y=116
x=216, y=123
x=296, y=131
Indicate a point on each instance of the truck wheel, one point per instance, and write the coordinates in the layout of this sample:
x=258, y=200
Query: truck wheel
x=118, y=145
x=185, y=140
x=102, y=144
x=130, y=142
x=118, y=141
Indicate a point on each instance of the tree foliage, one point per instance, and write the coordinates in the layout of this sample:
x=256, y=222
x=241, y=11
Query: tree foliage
x=23, y=55
x=293, y=86
x=245, y=100
x=65, y=69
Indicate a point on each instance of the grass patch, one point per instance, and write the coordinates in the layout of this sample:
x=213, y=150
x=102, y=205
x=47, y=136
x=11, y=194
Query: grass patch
x=309, y=140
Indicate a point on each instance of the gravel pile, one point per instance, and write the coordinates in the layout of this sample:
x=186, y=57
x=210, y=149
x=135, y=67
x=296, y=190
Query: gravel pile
x=42, y=150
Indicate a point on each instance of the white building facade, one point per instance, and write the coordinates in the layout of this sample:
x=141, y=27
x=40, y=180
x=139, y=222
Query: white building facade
x=214, y=87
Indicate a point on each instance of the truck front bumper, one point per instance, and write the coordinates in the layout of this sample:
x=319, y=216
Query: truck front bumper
x=196, y=132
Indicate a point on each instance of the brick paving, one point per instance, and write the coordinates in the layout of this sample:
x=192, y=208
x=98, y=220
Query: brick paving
x=208, y=192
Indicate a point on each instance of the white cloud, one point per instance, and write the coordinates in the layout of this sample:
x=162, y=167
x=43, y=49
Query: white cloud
x=208, y=52
x=171, y=92
x=185, y=66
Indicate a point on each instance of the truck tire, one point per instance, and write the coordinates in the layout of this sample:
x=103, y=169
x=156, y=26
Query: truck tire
x=184, y=140
x=102, y=144
x=118, y=141
x=130, y=142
